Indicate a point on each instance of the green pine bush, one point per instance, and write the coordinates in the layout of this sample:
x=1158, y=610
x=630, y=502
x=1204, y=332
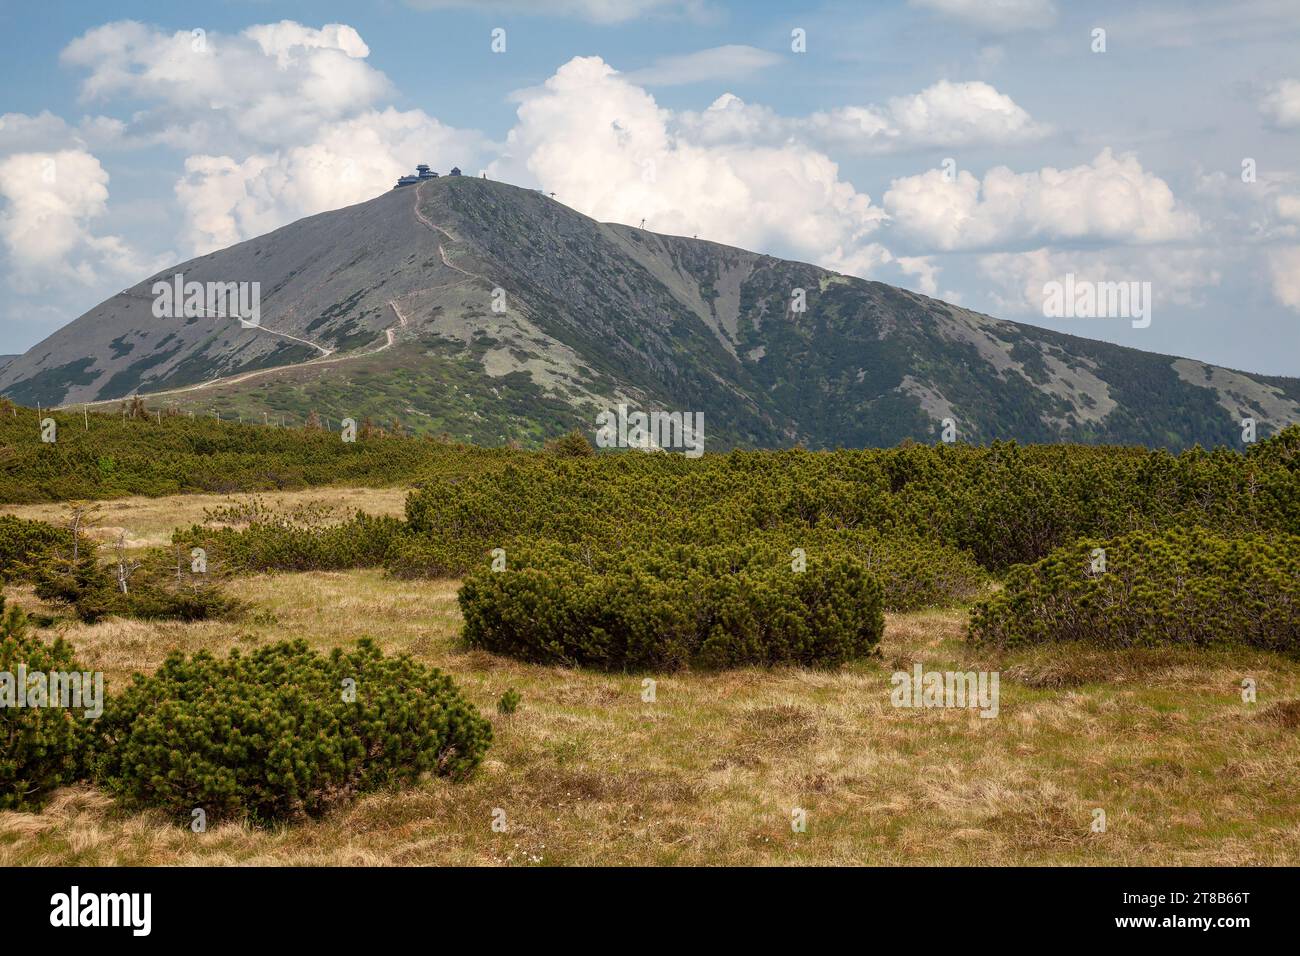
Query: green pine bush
x=156, y=592
x=430, y=556
x=283, y=733
x=119, y=456
x=668, y=607
x=24, y=544
x=1003, y=505
x=42, y=747
x=1186, y=586
x=91, y=588
x=508, y=702
x=914, y=573
x=572, y=445
x=288, y=542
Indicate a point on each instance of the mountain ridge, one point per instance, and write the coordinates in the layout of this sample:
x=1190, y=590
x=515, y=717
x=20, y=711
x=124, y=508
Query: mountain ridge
x=495, y=312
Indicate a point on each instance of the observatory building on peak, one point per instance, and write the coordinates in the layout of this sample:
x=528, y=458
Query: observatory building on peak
x=421, y=173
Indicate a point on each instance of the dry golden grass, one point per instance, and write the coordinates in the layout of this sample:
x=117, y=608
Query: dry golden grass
x=148, y=522
x=587, y=772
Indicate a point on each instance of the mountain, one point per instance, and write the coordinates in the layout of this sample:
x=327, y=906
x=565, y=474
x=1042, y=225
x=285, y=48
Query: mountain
x=493, y=313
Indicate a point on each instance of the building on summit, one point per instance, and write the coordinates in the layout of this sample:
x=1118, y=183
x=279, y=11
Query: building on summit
x=422, y=172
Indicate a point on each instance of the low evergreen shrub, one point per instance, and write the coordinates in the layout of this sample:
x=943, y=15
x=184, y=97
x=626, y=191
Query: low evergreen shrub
x=668, y=607
x=1186, y=586
x=283, y=733
x=153, y=587
x=914, y=573
x=430, y=556
x=295, y=541
x=41, y=747
x=26, y=543
x=1004, y=504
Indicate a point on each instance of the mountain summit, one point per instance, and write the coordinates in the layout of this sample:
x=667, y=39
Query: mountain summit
x=494, y=312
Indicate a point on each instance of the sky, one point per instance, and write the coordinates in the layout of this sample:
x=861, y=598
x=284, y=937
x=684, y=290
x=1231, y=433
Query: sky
x=973, y=150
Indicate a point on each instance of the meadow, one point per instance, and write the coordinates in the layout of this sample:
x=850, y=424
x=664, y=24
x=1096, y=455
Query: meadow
x=587, y=772
x=1130, y=717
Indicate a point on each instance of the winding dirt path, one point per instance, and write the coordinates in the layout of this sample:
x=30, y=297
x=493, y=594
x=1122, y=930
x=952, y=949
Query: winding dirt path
x=434, y=227
x=222, y=315
x=241, y=376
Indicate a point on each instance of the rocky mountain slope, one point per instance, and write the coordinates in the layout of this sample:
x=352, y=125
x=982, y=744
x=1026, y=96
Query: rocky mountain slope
x=495, y=313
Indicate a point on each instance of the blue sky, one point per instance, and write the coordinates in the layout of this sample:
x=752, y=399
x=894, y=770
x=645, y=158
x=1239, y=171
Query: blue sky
x=970, y=149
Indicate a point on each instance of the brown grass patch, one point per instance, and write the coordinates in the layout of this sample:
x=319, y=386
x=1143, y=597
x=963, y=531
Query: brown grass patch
x=1283, y=714
x=710, y=772
x=149, y=522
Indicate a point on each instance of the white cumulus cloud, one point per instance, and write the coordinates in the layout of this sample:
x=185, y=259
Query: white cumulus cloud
x=1111, y=199
x=226, y=200
x=945, y=114
x=49, y=204
x=597, y=11
x=607, y=149
x=279, y=121
x=1281, y=105
x=926, y=270
x=1284, y=267
x=269, y=85
x=1178, y=277
x=56, y=256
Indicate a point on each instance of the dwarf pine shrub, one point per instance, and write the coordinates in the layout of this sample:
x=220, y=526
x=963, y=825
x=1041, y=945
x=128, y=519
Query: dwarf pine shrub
x=914, y=573
x=283, y=733
x=1004, y=504
x=667, y=607
x=572, y=445
x=431, y=556
x=1189, y=587
x=155, y=591
x=167, y=455
x=41, y=747
x=148, y=586
x=274, y=542
x=26, y=543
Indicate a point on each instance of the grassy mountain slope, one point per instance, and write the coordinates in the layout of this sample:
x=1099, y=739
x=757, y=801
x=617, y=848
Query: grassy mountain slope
x=495, y=313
